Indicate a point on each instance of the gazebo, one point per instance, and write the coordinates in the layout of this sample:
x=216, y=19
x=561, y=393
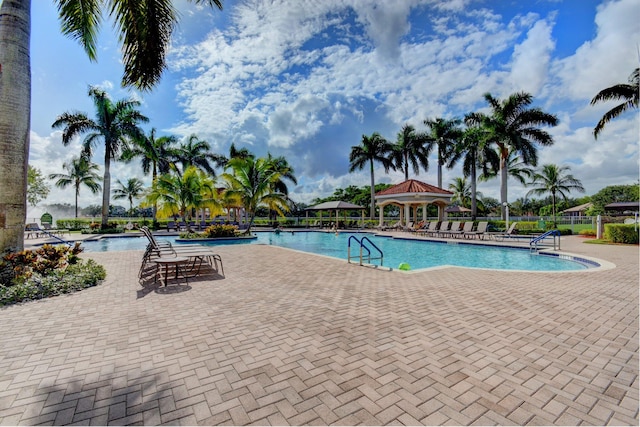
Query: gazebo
x=336, y=206
x=410, y=195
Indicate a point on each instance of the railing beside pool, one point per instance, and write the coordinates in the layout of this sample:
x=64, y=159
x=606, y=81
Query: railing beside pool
x=363, y=246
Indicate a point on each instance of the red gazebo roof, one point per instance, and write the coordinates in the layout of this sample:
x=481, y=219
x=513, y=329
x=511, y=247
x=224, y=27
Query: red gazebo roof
x=413, y=186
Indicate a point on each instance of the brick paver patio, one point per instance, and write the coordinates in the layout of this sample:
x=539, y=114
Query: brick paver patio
x=291, y=338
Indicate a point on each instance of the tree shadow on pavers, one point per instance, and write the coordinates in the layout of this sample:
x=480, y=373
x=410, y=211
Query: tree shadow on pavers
x=126, y=399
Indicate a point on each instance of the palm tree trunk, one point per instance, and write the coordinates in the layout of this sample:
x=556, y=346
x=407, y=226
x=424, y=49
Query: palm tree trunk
x=77, y=190
x=15, y=116
x=406, y=167
x=106, y=187
x=439, y=174
x=372, y=209
x=503, y=185
x=474, y=203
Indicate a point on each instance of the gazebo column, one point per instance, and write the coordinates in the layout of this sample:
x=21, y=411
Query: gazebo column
x=381, y=216
x=407, y=212
x=424, y=212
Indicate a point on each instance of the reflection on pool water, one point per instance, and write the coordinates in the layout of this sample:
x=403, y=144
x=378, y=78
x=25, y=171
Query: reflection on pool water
x=418, y=254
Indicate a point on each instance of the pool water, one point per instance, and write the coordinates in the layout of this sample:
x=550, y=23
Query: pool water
x=417, y=253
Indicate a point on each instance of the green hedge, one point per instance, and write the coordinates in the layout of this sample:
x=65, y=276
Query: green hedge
x=621, y=233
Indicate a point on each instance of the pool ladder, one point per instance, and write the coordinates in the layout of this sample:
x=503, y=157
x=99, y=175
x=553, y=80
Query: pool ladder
x=365, y=251
x=533, y=244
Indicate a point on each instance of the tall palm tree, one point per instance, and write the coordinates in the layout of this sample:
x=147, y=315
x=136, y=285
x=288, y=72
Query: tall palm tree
x=80, y=171
x=145, y=34
x=373, y=148
x=155, y=156
x=461, y=191
x=411, y=150
x=555, y=180
x=130, y=190
x=474, y=151
x=252, y=182
x=516, y=168
x=196, y=152
x=443, y=134
x=115, y=124
x=183, y=194
x=514, y=127
x=283, y=168
x=628, y=93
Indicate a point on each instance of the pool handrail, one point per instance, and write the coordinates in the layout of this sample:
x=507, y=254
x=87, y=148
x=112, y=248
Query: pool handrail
x=533, y=244
x=362, y=245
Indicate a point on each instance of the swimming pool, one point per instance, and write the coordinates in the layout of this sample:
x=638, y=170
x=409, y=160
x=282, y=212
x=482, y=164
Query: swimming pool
x=419, y=254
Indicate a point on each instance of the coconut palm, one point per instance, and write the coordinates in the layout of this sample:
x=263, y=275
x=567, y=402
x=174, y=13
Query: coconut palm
x=145, y=34
x=130, y=190
x=474, y=151
x=252, y=182
x=443, y=134
x=461, y=191
x=80, y=171
x=628, y=93
x=555, y=180
x=411, y=150
x=373, y=148
x=514, y=128
x=155, y=155
x=516, y=168
x=184, y=193
x=197, y=152
x=115, y=124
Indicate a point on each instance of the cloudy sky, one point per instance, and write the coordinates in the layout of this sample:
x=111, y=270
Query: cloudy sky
x=306, y=79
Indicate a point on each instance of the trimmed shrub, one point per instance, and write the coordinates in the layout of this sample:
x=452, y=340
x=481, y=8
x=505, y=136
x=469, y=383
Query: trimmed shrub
x=587, y=232
x=220, y=230
x=45, y=272
x=621, y=233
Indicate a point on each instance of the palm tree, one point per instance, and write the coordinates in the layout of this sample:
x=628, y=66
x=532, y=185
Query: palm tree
x=373, y=148
x=252, y=182
x=131, y=190
x=155, y=155
x=80, y=172
x=411, y=150
x=281, y=166
x=461, y=191
x=182, y=194
x=516, y=168
x=443, y=134
x=628, y=93
x=196, y=152
x=145, y=34
x=473, y=149
x=553, y=179
x=514, y=127
x=115, y=124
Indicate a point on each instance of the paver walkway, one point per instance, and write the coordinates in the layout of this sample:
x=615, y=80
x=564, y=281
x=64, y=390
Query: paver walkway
x=292, y=338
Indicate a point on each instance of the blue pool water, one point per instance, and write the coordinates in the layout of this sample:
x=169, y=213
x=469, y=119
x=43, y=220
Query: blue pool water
x=418, y=254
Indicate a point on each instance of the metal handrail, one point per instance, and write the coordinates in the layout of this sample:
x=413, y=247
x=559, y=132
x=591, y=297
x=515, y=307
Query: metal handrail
x=533, y=244
x=363, y=246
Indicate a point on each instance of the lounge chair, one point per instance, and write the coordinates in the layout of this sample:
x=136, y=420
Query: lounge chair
x=511, y=232
x=171, y=225
x=466, y=227
x=32, y=230
x=428, y=227
x=455, y=228
x=196, y=254
x=443, y=230
x=479, y=232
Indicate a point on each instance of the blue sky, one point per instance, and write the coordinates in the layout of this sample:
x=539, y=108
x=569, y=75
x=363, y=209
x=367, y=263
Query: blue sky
x=307, y=79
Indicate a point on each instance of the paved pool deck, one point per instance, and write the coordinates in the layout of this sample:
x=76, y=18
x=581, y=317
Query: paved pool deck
x=289, y=338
